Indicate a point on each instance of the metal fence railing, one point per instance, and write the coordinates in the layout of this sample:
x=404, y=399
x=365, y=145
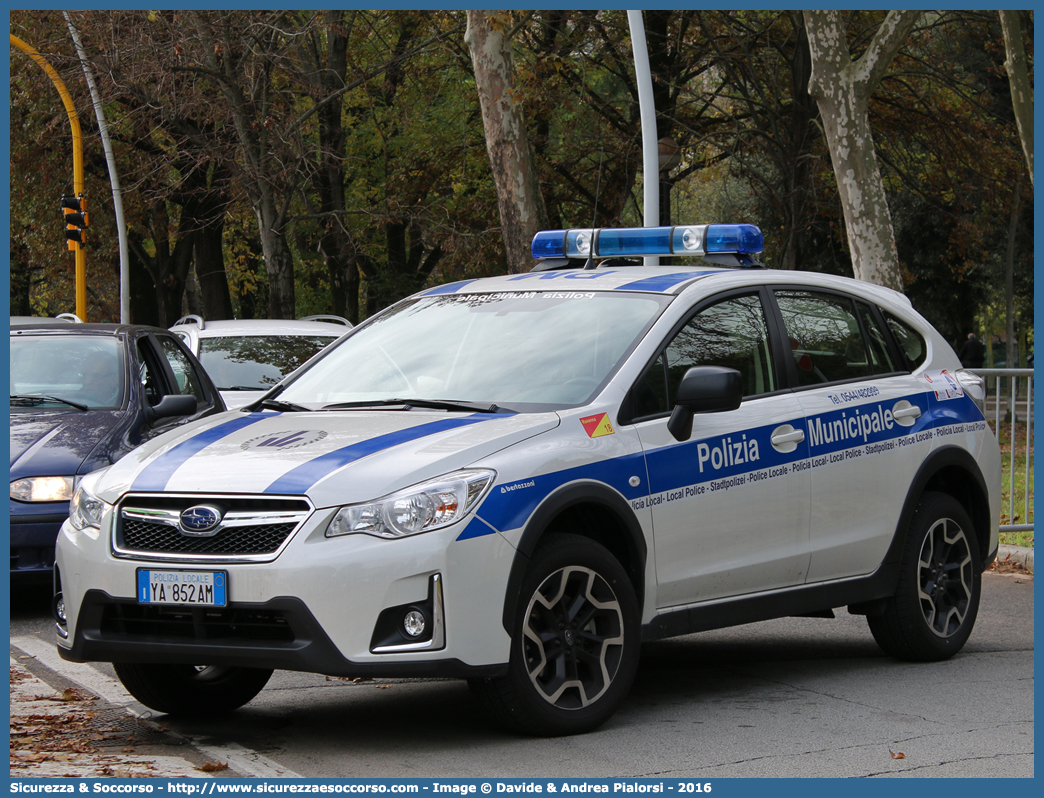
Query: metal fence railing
x=1009, y=404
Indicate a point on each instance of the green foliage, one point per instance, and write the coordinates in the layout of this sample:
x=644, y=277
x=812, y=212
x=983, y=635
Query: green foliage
x=368, y=143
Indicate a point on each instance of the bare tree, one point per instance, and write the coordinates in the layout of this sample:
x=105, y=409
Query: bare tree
x=522, y=211
x=842, y=89
x=1018, y=77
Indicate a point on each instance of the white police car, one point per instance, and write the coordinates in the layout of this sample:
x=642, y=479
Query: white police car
x=520, y=479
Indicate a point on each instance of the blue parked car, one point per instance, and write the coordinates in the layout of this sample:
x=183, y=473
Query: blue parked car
x=82, y=396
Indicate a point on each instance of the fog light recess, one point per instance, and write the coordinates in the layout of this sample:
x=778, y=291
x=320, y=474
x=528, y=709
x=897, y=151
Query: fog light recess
x=416, y=626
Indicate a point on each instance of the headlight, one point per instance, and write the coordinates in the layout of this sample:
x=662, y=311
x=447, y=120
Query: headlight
x=421, y=508
x=86, y=509
x=43, y=489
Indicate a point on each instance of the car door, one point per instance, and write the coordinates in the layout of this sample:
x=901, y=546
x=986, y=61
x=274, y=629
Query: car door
x=166, y=368
x=864, y=419
x=730, y=506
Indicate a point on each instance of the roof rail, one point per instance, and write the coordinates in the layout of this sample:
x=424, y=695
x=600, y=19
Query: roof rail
x=191, y=318
x=327, y=317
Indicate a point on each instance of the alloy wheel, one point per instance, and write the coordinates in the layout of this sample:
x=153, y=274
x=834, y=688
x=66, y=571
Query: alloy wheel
x=573, y=637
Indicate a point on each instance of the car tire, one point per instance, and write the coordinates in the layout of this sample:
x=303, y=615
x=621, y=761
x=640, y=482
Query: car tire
x=936, y=600
x=575, y=642
x=191, y=690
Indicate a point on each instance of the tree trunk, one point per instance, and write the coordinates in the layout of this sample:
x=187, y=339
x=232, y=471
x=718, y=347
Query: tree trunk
x=522, y=211
x=265, y=183
x=209, y=260
x=334, y=243
x=1018, y=78
x=796, y=170
x=279, y=265
x=203, y=213
x=842, y=90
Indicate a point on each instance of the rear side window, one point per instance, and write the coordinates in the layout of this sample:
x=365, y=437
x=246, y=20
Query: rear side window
x=911, y=343
x=824, y=337
x=880, y=353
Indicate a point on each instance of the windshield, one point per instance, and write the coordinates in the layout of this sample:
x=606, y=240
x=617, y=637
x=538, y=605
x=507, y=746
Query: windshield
x=84, y=370
x=256, y=362
x=521, y=350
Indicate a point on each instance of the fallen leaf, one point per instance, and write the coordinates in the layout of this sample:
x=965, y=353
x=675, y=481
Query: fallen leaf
x=897, y=755
x=210, y=767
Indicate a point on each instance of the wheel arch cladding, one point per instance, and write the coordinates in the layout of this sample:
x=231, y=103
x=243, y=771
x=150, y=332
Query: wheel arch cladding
x=592, y=510
x=953, y=471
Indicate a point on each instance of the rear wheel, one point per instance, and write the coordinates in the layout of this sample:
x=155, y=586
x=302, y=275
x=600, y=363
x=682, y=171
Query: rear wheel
x=575, y=642
x=191, y=690
x=936, y=601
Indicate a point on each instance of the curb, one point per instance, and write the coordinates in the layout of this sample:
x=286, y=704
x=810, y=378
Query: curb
x=1016, y=554
x=71, y=734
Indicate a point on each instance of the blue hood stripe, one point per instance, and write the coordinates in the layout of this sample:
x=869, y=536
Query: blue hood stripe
x=157, y=473
x=300, y=479
x=661, y=284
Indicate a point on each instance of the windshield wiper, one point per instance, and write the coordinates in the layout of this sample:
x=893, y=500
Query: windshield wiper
x=275, y=404
x=26, y=400
x=434, y=404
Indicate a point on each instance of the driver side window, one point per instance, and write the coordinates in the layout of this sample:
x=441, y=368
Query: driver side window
x=732, y=333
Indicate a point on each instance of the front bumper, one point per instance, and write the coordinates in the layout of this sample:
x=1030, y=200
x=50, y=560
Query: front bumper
x=280, y=634
x=34, y=530
x=317, y=607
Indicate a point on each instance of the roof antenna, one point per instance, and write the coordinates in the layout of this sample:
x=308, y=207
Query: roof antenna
x=594, y=215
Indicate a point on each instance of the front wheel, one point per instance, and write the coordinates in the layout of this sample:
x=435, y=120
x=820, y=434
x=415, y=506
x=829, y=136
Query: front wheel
x=936, y=600
x=191, y=690
x=575, y=642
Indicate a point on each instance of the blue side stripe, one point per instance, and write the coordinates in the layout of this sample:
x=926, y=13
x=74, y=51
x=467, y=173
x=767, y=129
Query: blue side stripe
x=157, y=473
x=449, y=288
x=510, y=509
x=676, y=466
x=300, y=479
x=476, y=528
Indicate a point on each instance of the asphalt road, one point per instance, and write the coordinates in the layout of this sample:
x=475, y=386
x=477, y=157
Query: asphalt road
x=792, y=698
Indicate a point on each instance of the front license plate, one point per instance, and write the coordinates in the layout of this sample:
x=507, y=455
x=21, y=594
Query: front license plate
x=187, y=588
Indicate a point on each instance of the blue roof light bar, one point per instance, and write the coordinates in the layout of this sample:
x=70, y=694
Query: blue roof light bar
x=608, y=242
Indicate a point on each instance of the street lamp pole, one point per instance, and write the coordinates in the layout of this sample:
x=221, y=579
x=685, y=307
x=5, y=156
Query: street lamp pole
x=647, y=109
x=114, y=179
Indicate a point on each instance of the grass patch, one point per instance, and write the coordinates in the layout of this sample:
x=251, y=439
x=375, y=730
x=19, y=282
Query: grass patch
x=1019, y=513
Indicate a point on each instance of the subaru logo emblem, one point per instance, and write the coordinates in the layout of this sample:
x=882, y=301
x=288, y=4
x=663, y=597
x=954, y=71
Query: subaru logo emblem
x=201, y=520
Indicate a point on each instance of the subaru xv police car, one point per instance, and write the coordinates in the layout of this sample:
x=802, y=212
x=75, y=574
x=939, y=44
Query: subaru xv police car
x=518, y=480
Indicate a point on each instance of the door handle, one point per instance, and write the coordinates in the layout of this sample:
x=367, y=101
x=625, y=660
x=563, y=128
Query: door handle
x=785, y=438
x=796, y=436
x=907, y=412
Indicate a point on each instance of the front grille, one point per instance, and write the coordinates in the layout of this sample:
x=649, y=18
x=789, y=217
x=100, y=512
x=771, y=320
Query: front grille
x=152, y=537
x=195, y=623
x=251, y=528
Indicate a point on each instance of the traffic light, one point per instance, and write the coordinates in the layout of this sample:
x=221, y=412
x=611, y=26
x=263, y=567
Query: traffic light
x=76, y=220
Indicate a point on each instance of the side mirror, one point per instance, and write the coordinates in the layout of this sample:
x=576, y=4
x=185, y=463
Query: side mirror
x=704, y=389
x=171, y=406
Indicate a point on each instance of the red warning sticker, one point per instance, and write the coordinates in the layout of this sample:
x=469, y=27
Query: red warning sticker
x=597, y=426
